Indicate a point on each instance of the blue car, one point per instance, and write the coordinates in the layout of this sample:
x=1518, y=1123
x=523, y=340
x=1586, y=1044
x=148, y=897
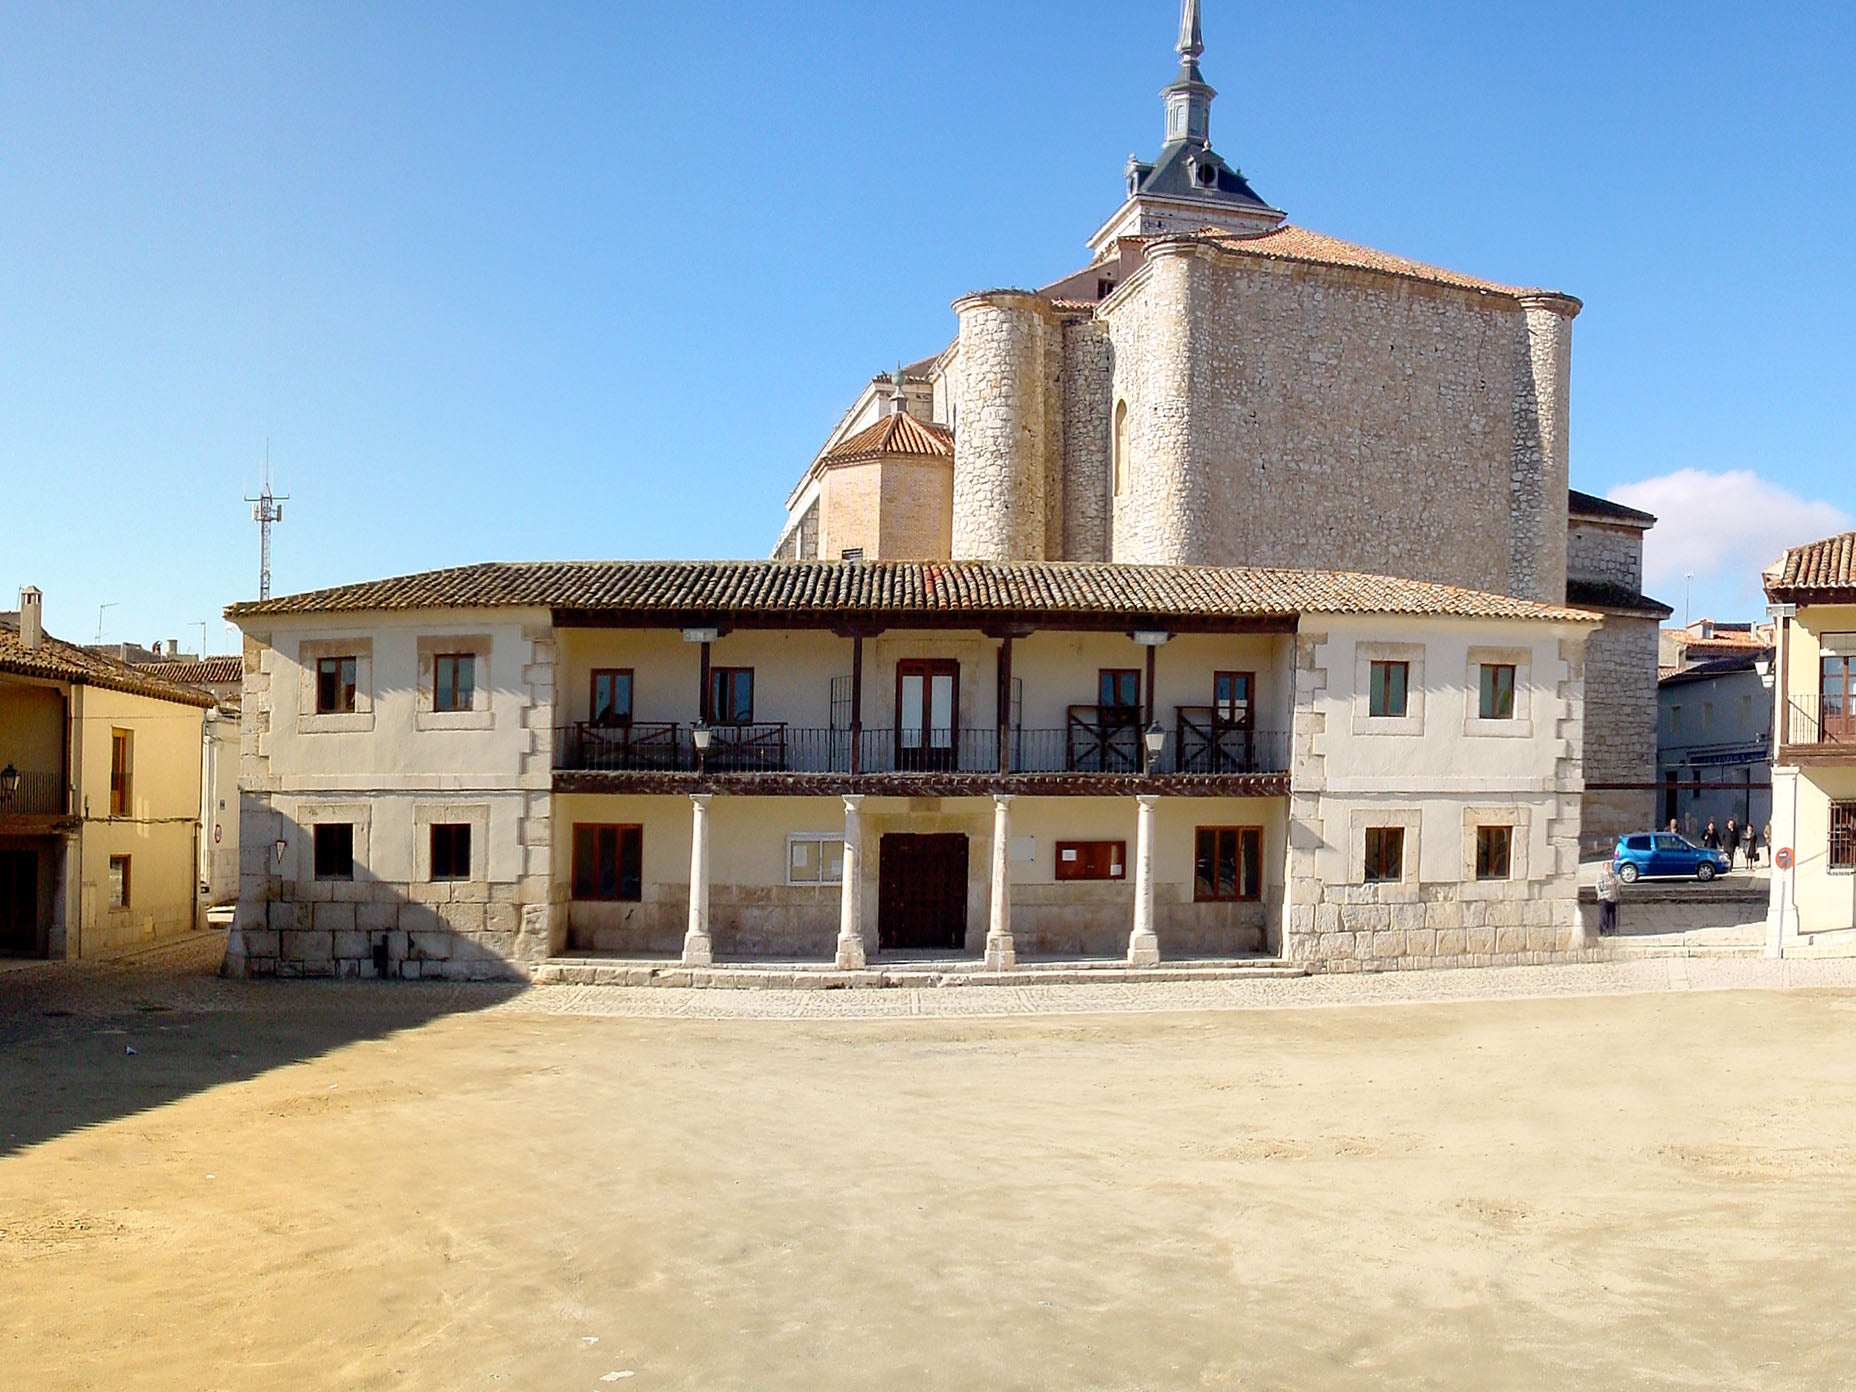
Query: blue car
x=1665, y=853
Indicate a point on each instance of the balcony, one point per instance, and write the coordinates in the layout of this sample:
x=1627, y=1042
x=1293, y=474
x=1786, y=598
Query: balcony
x=1821, y=726
x=38, y=795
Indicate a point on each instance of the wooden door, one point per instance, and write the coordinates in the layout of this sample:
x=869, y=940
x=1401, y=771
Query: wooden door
x=922, y=893
x=927, y=715
x=19, y=901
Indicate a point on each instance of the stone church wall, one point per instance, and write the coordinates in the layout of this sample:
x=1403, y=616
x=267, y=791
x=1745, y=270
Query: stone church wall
x=1620, y=729
x=1595, y=551
x=1087, y=418
x=1007, y=430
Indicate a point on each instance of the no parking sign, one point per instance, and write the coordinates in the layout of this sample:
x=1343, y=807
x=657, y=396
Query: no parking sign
x=1784, y=858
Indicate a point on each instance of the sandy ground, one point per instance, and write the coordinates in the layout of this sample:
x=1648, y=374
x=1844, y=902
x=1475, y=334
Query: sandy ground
x=308, y=1186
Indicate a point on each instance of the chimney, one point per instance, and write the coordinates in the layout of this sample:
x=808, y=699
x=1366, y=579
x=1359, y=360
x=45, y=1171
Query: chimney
x=172, y=647
x=31, y=616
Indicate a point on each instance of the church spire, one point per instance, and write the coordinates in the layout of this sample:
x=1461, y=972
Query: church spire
x=1191, y=36
x=1189, y=98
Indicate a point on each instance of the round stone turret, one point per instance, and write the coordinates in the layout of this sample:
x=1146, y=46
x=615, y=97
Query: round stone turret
x=1001, y=427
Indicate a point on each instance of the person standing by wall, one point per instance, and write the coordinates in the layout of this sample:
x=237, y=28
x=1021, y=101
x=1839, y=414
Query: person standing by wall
x=1711, y=838
x=1610, y=892
x=1730, y=842
x=1752, y=846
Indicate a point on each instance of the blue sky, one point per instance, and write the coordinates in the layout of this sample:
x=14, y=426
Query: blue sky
x=576, y=281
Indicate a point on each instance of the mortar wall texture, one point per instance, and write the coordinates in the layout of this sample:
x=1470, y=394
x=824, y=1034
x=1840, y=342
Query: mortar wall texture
x=1620, y=728
x=1088, y=406
x=1007, y=433
x=1595, y=551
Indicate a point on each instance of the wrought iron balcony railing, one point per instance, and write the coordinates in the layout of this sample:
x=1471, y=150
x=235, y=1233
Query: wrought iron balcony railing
x=38, y=795
x=1826, y=719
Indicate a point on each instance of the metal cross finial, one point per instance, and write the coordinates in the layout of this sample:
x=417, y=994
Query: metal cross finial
x=1191, y=36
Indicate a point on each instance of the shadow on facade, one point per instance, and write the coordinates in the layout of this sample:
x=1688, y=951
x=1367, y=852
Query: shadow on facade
x=82, y=1047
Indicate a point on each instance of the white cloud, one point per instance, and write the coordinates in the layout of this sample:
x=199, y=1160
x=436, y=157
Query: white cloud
x=1722, y=528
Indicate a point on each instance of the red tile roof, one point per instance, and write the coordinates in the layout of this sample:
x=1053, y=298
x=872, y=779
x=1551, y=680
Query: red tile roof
x=55, y=660
x=898, y=589
x=208, y=671
x=896, y=433
x=1823, y=571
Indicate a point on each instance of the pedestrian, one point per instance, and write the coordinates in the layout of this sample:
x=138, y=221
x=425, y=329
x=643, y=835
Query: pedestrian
x=1610, y=891
x=1711, y=838
x=1673, y=829
x=1752, y=845
x=1766, y=836
x=1730, y=843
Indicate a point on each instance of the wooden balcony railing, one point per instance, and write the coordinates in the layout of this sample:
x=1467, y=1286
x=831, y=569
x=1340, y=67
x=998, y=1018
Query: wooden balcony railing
x=38, y=795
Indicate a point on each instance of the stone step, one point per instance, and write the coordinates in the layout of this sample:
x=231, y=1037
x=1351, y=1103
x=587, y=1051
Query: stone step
x=803, y=976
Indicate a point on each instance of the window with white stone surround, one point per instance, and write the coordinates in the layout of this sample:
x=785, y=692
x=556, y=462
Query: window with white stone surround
x=1409, y=656
x=1519, y=723
x=1407, y=821
x=427, y=711
x=360, y=713
x=1479, y=879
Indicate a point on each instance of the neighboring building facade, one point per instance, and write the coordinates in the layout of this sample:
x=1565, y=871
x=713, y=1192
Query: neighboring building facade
x=1715, y=744
x=1812, y=592
x=1219, y=387
x=1709, y=640
x=223, y=678
x=464, y=773
x=100, y=790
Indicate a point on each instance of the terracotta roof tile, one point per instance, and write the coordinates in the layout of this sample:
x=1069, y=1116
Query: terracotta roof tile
x=209, y=671
x=896, y=433
x=1811, y=571
x=769, y=589
x=55, y=660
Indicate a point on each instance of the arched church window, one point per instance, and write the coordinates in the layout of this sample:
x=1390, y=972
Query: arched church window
x=1121, y=448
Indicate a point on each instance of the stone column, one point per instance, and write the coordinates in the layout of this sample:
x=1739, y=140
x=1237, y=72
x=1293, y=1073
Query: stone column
x=1143, y=945
x=999, y=953
x=851, y=895
x=698, y=949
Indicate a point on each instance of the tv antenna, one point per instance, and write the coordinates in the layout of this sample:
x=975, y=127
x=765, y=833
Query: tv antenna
x=269, y=509
x=102, y=609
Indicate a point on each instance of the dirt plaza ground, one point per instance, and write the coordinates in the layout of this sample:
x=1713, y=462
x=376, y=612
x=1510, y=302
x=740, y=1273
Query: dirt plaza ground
x=319, y=1186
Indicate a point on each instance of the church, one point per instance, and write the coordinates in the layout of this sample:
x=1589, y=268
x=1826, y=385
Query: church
x=1218, y=386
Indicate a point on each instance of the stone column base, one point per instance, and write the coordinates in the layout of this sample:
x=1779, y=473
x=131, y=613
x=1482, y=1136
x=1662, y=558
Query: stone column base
x=1143, y=949
x=697, y=950
x=1000, y=955
x=850, y=954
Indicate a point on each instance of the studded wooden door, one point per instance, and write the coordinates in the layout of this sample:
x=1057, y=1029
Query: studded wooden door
x=922, y=893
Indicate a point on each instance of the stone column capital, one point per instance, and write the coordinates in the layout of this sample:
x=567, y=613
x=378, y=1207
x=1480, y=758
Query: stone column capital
x=702, y=800
x=1003, y=799
x=1148, y=800
x=853, y=803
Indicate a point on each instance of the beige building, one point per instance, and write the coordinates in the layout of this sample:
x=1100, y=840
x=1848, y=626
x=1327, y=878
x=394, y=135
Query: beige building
x=1812, y=592
x=100, y=792
x=467, y=772
x=1217, y=386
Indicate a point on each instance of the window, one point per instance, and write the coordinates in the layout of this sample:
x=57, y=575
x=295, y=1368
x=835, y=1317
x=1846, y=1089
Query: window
x=1121, y=448
x=334, y=850
x=335, y=685
x=1229, y=863
x=1497, y=691
x=731, y=695
x=611, y=702
x=851, y=553
x=1231, y=692
x=454, y=681
x=1092, y=860
x=1836, y=686
x=451, y=850
x=609, y=862
x=1385, y=854
x=1390, y=689
x=1119, y=689
x=1494, y=852
x=121, y=757
x=815, y=859
x=1843, y=836
x=119, y=882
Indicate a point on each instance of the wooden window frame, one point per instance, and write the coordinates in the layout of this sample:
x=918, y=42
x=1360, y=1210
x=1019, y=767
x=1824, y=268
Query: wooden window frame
x=1118, y=675
x=1376, y=686
x=456, y=659
x=346, y=685
x=1487, y=844
x=122, y=773
x=1245, y=868
x=447, y=832
x=1840, y=843
x=718, y=678
x=592, y=695
x=316, y=850
x=1091, y=861
x=1249, y=679
x=119, y=901
x=929, y=753
x=1375, y=857
x=589, y=841
x=1486, y=693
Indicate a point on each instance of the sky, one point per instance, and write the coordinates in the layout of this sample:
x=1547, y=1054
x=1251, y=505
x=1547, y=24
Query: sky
x=586, y=281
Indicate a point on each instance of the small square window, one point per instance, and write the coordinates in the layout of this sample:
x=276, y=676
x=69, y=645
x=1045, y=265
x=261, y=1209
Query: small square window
x=334, y=850
x=1497, y=691
x=451, y=850
x=1228, y=863
x=611, y=702
x=1385, y=854
x=1390, y=689
x=119, y=882
x=335, y=685
x=454, y=681
x=1843, y=836
x=608, y=862
x=1494, y=852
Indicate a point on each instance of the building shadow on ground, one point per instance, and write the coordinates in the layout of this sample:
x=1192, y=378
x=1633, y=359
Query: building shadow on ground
x=82, y=1046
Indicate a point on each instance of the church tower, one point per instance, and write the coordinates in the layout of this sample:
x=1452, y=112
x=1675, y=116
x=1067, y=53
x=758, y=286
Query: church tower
x=1189, y=186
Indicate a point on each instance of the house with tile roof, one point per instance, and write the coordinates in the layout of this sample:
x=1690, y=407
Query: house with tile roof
x=1811, y=593
x=503, y=769
x=100, y=793
x=1220, y=386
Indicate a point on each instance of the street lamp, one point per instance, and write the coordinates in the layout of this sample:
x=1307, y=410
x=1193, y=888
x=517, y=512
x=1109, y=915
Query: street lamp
x=1154, y=740
x=700, y=735
x=9, y=783
x=278, y=847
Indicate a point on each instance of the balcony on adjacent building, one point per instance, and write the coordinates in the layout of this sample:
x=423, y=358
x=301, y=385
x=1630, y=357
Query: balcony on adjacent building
x=25, y=794
x=1820, y=727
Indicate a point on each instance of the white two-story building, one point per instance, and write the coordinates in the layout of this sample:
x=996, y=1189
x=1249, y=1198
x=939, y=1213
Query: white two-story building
x=468, y=772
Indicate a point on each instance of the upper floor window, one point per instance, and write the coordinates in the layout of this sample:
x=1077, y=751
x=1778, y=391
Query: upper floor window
x=1119, y=688
x=335, y=685
x=1385, y=854
x=122, y=743
x=1390, y=690
x=454, y=681
x=1843, y=836
x=119, y=882
x=1497, y=702
x=731, y=695
x=1231, y=698
x=1836, y=685
x=334, y=850
x=611, y=702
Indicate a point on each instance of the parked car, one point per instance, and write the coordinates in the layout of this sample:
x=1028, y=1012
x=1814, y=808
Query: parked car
x=1654, y=853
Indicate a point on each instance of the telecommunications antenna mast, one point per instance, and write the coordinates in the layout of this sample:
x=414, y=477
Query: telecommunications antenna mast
x=269, y=508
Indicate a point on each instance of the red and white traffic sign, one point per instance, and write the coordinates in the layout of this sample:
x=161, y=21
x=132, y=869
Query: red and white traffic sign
x=1784, y=858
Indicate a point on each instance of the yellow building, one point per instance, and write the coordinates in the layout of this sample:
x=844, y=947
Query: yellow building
x=1812, y=591
x=99, y=796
